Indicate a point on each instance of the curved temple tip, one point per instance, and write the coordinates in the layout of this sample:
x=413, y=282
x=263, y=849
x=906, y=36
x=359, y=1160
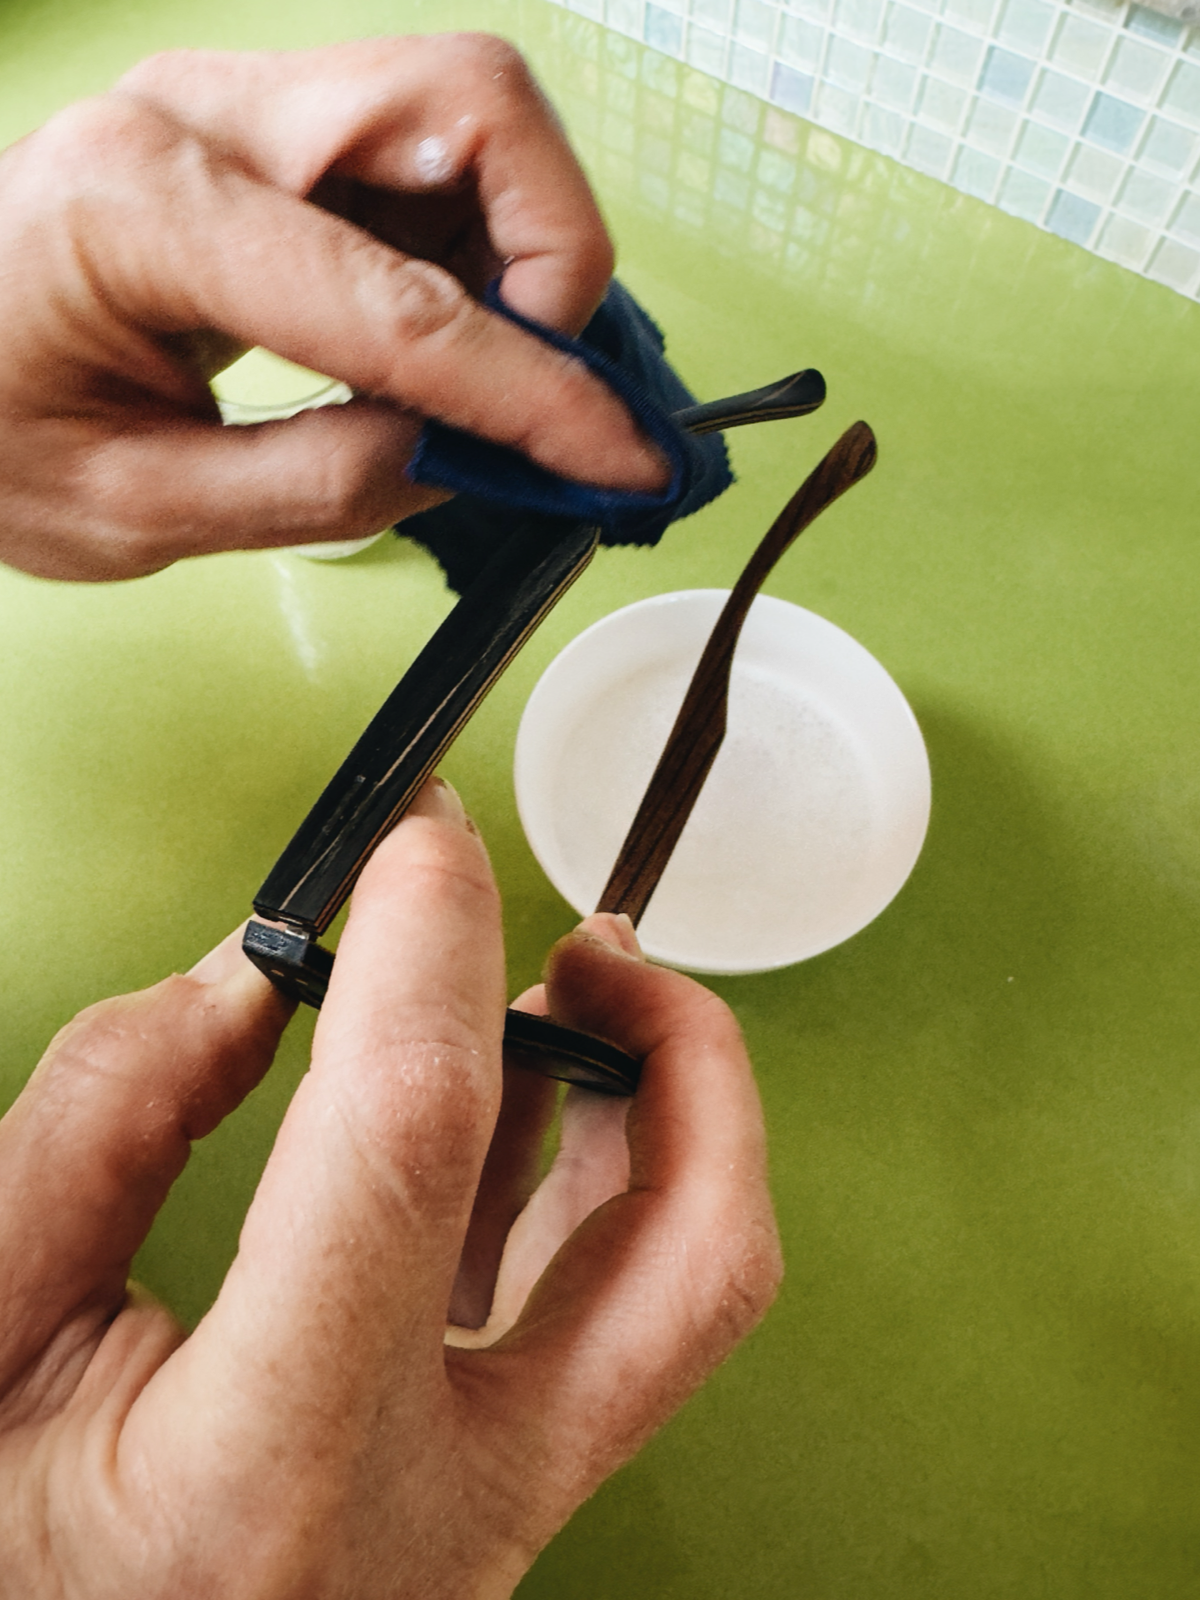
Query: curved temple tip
x=811, y=385
x=859, y=439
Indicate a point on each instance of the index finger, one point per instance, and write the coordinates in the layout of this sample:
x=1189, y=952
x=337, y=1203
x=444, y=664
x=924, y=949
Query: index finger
x=414, y=114
x=348, y=1254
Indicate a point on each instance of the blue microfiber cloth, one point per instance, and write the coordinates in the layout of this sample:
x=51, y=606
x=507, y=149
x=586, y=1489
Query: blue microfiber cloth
x=496, y=488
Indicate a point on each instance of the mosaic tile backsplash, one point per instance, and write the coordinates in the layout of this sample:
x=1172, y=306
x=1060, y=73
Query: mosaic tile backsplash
x=1083, y=118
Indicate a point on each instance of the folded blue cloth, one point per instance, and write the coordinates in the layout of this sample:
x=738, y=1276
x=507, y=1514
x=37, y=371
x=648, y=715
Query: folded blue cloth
x=497, y=488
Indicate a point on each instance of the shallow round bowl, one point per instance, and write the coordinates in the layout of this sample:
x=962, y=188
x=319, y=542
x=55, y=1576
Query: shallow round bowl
x=814, y=812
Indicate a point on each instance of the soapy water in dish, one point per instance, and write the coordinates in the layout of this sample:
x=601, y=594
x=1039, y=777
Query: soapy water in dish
x=810, y=820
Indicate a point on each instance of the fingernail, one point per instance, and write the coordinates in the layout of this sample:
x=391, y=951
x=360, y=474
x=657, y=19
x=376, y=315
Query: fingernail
x=439, y=801
x=615, y=930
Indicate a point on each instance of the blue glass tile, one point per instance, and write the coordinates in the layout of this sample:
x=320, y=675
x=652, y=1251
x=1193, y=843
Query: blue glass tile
x=1152, y=26
x=1072, y=218
x=663, y=30
x=1113, y=123
x=791, y=89
x=1006, y=76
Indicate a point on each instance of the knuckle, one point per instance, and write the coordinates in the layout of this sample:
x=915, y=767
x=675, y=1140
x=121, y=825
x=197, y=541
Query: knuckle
x=108, y=129
x=565, y=389
x=155, y=71
x=752, y=1282
x=495, y=60
x=114, y=537
x=423, y=301
x=418, y=1159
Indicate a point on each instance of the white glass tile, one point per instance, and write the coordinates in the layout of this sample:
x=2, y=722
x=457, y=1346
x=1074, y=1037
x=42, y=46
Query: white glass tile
x=837, y=108
x=894, y=83
x=1186, y=223
x=848, y=64
x=992, y=126
x=791, y=89
x=976, y=173
x=1145, y=197
x=941, y=104
x=858, y=19
x=1026, y=24
x=1042, y=150
x=1094, y=173
x=884, y=130
x=748, y=68
x=754, y=24
x=929, y=151
x=706, y=50
x=976, y=15
x=1183, y=93
x=1168, y=147
x=1081, y=47
x=1060, y=100
x=625, y=15
x=1125, y=241
x=800, y=43
x=1153, y=25
x=907, y=33
x=1106, y=11
x=1023, y=195
x=1072, y=217
x=1136, y=69
x=956, y=55
x=1006, y=76
x=1175, y=265
x=1080, y=115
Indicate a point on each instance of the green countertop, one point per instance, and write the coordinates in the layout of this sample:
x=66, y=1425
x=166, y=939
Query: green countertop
x=983, y=1376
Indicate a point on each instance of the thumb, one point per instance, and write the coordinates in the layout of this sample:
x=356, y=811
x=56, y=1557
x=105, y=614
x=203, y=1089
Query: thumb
x=104, y=1127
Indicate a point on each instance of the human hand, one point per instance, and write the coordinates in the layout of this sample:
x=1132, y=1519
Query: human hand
x=153, y=233
x=317, y=1435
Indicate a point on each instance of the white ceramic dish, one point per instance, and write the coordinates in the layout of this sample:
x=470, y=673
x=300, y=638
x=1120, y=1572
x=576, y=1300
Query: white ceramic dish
x=811, y=819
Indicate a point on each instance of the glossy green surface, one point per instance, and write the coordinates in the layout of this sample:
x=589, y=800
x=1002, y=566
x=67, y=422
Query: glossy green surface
x=983, y=1377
